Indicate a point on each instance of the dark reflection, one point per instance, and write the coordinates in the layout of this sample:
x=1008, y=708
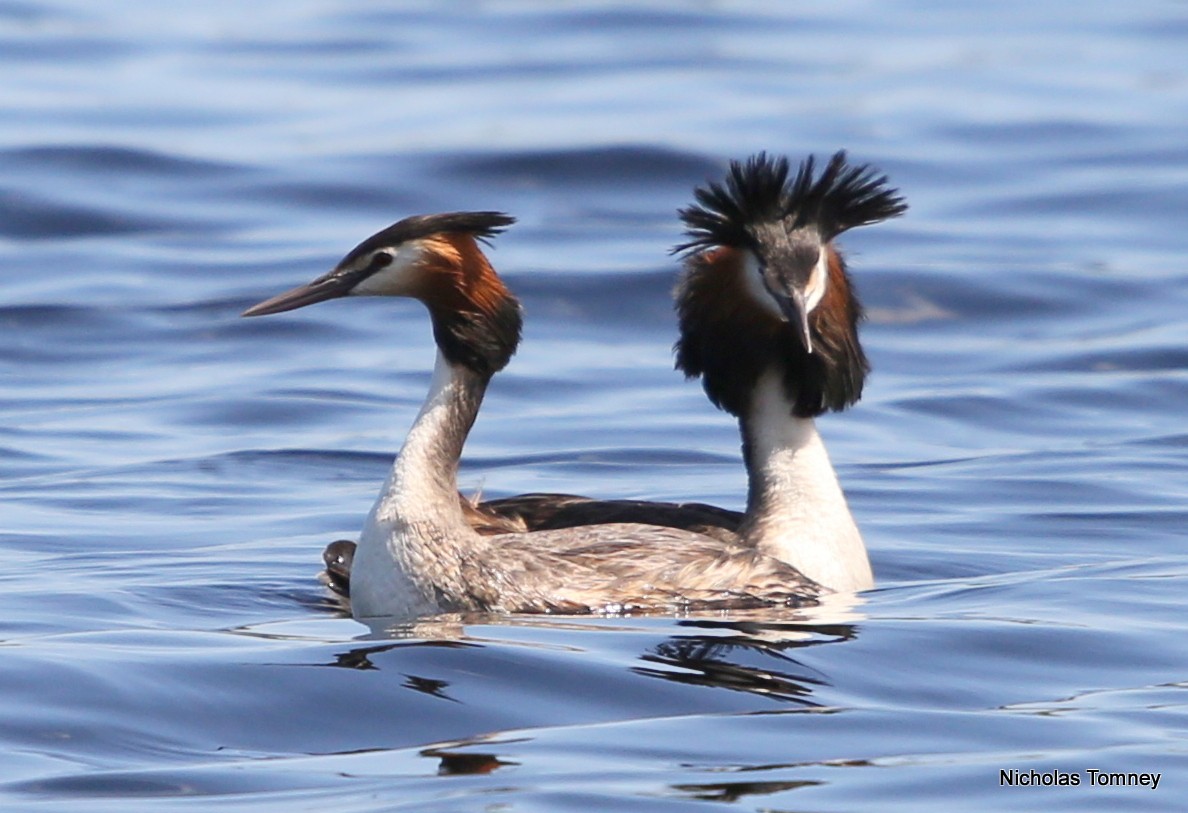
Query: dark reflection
x=751, y=652
x=326, y=602
x=460, y=763
x=752, y=628
x=735, y=791
x=119, y=785
x=719, y=660
x=360, y=657
x=429, y=686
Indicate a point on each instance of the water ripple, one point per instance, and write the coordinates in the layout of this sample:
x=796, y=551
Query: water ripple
x=170, y=473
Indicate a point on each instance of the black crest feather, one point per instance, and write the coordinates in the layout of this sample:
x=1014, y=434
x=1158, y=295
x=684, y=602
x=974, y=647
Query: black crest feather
x=754, y=192
x=483, y=225
x=758, y=190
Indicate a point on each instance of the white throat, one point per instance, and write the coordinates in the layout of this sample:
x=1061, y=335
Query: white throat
x=415, y=535
x=796, y=510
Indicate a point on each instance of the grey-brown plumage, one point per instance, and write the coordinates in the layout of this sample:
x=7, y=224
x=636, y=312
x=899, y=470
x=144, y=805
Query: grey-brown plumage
x=620, y=567
x=549, y=512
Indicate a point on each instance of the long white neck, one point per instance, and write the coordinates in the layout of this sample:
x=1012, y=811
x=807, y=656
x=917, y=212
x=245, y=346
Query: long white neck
x=416, y=542
x=796, y=511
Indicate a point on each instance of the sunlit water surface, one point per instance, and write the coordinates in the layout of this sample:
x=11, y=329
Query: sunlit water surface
x=169, y=473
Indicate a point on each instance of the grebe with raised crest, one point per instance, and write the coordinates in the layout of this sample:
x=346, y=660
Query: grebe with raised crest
x=769, y=322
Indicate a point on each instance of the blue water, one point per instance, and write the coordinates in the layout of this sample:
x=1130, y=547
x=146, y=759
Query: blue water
x=169, y=473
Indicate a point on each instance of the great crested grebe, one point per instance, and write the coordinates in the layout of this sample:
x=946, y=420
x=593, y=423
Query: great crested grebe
x=419, y=551
x=769, y=322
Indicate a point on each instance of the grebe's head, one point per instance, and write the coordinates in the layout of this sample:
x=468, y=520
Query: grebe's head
x=784, y=228
x=765, y=286
x=397, y=261
x=437, y=260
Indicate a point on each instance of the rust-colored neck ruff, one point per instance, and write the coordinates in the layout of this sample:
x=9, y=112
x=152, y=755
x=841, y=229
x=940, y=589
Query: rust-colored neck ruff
x=476, y=319
x=729, y=340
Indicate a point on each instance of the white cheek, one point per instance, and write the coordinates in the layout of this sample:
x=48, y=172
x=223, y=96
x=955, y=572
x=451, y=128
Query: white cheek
x=753, y=279
x=395, y=279
x=814, y=292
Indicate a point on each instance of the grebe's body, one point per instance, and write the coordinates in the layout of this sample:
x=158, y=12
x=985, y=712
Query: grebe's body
x=551, y=511
x=419, y=551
